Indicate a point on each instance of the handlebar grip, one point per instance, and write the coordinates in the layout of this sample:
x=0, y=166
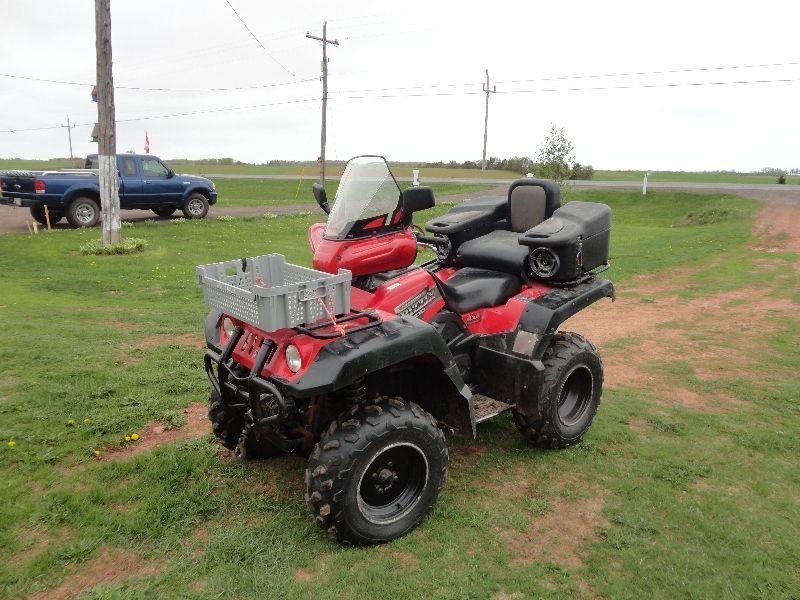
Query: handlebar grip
x=433, y=240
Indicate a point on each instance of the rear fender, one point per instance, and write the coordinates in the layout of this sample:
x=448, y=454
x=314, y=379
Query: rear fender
x=509, y=366
x=78, y=190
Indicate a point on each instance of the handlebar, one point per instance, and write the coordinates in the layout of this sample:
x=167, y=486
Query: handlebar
x=432, y=240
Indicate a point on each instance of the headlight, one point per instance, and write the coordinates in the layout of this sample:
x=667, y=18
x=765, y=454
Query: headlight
x=228, y=327
x=213, y=187
x=293, y=359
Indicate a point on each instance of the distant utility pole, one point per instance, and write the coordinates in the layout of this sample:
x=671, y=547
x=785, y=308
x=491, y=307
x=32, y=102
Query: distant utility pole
x=69, y=133
x=325, y=41
x=107, y=143
x=488, y=91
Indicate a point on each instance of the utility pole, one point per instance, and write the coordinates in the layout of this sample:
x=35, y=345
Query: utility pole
x=487, y=90
x=107, y=146
x=69, y=133
x=325, y=41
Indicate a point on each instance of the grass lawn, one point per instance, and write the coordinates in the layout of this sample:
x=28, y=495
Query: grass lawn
x=692, y=177
x=430, y=173
x=704, y=505
x=270, y=192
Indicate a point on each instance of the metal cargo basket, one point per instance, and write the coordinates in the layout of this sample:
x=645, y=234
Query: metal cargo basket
x=272, y=294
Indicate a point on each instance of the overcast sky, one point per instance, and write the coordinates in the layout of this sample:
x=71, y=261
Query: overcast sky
x=423, y=48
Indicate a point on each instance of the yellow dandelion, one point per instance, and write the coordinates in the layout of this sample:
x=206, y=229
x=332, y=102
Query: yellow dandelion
x=11, y=443
x=96, y=452
x=70, y=422
x=134, y=436
x=127, y=438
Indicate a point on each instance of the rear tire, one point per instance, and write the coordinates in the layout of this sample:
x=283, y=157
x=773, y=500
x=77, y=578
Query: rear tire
x=227, y=425
x=165, y=211
x=195, y=207
x=83, y=212
x=376, y=472
x=569, y=395
x=37, y=212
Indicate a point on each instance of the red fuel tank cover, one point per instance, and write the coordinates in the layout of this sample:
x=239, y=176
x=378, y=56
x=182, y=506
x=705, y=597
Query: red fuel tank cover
x=368, y=255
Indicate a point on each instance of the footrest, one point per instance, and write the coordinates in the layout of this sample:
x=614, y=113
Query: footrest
x=486, y=408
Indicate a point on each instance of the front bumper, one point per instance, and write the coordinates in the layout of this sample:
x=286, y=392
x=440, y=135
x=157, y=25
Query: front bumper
x=259, y=401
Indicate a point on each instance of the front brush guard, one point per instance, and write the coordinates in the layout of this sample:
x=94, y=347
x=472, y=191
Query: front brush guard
x=247, y=394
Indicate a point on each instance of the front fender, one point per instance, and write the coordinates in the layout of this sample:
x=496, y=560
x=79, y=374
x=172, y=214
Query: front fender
x=198, y=189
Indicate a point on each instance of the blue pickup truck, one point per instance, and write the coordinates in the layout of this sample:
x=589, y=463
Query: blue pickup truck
x=144, y=182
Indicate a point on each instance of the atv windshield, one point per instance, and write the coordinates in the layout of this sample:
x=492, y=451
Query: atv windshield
x=367, y=195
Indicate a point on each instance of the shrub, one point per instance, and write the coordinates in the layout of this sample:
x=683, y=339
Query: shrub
x=782, y=179
x=126, y=246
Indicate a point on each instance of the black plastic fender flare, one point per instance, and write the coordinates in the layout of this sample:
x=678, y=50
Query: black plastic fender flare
x=543, y=315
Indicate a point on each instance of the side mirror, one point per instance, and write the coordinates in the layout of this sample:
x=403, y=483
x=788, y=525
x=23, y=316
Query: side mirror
x=416, y=198
x=321, y=197
x=170, y=174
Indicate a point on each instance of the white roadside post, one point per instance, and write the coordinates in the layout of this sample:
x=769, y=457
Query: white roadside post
x=415, y=182
x=107, y=142
x=644, y=184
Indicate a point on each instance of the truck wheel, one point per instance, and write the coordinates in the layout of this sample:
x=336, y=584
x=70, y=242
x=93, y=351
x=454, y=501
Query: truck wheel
x=227, y=425
x=83, y=212
x=376, y=472
x=37, y=212
x=195, y=207
x=165, y=211
x=569, y=395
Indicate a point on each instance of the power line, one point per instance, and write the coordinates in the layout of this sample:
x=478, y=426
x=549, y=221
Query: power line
x=253, y=35
x=164, y=89
x=661, y=72
x=418, y=95
x=573, y=89
x=189, y=113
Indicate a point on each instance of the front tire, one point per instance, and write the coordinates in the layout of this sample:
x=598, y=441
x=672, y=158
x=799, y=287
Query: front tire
x=195, y=207
x=376, y=472
x=83, y=212
x=569, y=395
x=37, y=212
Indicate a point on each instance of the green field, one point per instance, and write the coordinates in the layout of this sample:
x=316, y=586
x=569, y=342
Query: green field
x=687, y=503
x=431, y=173
x=270, y=192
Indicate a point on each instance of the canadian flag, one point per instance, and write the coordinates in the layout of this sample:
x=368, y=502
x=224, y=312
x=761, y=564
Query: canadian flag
x=146, y=143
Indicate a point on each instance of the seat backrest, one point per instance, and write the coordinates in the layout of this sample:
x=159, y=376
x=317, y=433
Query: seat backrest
x=531, y=201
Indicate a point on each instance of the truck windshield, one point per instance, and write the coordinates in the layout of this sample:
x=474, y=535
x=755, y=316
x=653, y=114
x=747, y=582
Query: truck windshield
x=367, y=190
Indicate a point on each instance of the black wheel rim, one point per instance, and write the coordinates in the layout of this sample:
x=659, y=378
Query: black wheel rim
x=576, y=394
x=392, y=483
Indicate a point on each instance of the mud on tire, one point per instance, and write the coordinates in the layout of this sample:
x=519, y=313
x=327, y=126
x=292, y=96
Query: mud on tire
x=376, y=472
x=569, y=394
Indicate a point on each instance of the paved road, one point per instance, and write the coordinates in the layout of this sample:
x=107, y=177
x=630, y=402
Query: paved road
x=580, y=183
x=13, y=220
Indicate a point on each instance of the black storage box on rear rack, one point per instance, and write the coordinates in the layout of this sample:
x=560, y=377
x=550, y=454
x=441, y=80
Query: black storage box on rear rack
x=574, y=241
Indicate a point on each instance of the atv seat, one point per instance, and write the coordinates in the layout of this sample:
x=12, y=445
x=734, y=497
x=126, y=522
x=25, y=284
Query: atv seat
x=470, y=289
x=530, y=201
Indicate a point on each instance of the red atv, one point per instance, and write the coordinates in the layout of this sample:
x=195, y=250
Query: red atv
x=364, y=361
